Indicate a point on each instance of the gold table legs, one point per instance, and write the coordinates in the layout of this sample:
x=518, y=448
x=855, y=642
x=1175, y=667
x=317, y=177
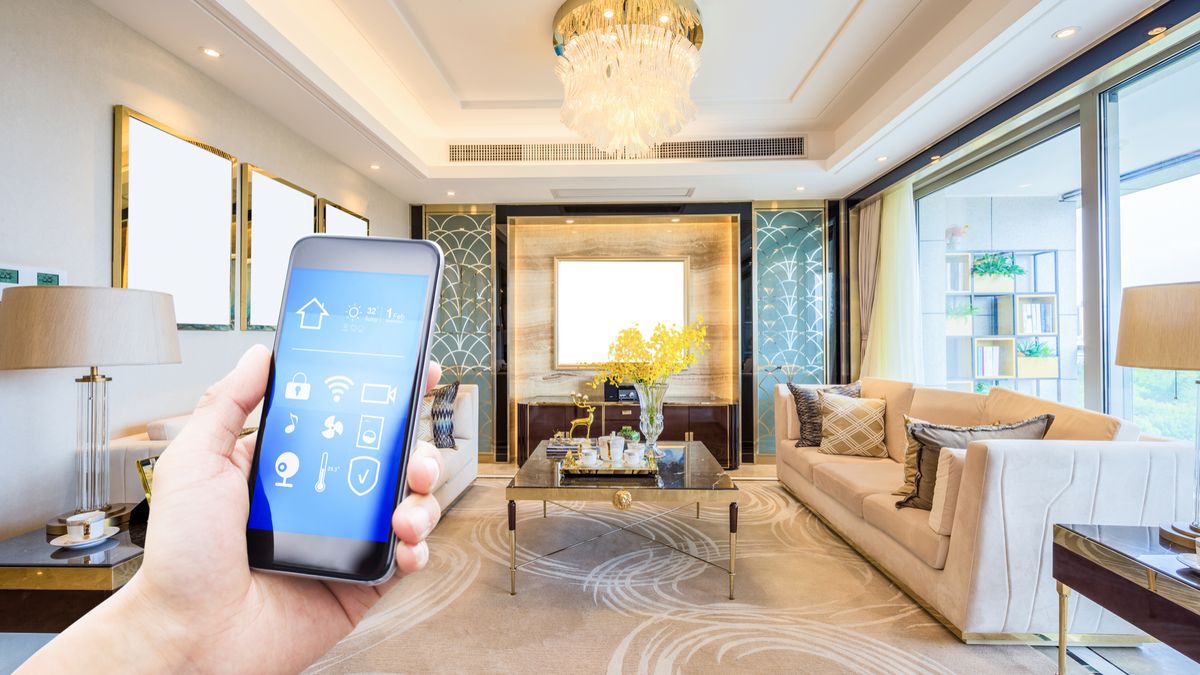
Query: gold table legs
x=1063, y=593
x=512, y=546
x=733, y=517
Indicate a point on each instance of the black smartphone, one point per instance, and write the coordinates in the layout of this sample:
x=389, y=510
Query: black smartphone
x=340, y=411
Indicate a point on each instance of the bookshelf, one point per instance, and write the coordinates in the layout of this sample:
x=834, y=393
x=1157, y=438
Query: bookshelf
x=1001, y=330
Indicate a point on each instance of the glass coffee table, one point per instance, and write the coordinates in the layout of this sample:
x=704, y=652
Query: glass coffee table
x=687, y=474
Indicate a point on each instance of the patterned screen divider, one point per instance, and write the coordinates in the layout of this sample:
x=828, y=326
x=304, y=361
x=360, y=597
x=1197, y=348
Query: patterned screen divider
x=789, y=308
x=462, y=343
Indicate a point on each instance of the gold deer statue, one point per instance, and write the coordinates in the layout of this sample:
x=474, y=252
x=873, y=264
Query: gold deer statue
x=581, y=401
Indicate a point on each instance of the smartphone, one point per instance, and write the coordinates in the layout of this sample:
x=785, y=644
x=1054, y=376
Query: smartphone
x=340, y=412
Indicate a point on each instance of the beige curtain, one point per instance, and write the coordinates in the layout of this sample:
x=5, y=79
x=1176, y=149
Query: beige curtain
x=894, y=346
x=868, y=268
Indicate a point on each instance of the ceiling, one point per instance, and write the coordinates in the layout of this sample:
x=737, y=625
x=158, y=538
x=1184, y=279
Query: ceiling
x=394, y=82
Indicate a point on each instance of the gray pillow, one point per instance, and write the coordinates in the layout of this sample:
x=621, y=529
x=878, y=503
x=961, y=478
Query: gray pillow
x=808, y=409
x=931, y=438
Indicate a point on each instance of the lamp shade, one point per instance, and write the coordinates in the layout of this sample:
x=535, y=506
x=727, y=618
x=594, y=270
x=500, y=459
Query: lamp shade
x=69, y=326
x=1160, y=327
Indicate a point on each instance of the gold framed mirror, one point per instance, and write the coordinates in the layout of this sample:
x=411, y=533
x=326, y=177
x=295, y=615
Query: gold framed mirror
x=275, y=214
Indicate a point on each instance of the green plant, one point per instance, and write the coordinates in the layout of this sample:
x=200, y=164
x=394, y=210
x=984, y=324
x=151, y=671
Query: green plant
x=1035, y=348
x=629, y=433
x=963, y=309
x=982, y=387
x=997, y=265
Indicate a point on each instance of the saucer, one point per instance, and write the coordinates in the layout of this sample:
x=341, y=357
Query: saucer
x=1190, y=559
x=65, y=541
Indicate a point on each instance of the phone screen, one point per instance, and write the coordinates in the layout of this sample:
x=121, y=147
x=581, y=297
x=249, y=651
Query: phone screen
x=334, y=433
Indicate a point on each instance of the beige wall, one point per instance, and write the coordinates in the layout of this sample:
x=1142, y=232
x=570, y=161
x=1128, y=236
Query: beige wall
x=712, y=248
x=65, y=64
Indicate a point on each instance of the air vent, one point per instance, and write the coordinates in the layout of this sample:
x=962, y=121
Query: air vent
x=724, y=148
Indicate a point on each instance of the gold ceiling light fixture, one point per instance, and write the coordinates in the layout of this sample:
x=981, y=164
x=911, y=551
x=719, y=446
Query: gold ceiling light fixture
x=627, y=68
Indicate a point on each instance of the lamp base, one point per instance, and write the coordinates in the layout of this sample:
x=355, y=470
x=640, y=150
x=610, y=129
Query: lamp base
x=115, y=515
x=1180, y=533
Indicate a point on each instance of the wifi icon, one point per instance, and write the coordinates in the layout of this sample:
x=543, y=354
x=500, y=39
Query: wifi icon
x=338, y=385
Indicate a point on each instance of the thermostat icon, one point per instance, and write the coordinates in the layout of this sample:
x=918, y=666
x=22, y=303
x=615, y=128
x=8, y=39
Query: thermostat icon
x=380, y=394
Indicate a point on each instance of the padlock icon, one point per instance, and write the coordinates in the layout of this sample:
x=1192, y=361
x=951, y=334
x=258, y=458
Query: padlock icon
x=298, y=389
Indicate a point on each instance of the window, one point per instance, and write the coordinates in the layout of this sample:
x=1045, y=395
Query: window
x=999, y=275
x=1152, y=187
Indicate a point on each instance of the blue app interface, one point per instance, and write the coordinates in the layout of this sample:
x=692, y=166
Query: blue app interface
x=334, y=435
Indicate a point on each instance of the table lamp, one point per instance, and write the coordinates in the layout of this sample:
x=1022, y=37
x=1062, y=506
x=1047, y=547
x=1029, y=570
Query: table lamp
x=79, y=326
x=1160, y=329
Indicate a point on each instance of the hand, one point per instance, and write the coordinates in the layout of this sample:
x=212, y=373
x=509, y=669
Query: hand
x=196, y=598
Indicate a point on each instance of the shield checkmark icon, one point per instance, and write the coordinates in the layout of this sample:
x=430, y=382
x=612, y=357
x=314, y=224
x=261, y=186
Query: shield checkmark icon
x=363, y=475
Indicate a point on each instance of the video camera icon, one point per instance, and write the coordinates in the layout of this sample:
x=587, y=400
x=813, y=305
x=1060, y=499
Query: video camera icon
x=379, y=394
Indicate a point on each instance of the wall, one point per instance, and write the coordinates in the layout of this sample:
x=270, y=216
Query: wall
x=65, y=64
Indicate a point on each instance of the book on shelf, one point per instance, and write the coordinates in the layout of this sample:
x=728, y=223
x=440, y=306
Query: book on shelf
x=989, y=358
x=1037, y=317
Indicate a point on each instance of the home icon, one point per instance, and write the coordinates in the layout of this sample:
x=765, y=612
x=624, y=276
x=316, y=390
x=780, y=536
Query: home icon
x=312, y=314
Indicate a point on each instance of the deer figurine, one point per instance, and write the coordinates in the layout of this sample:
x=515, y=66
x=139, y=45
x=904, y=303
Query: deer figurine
x=581, y=401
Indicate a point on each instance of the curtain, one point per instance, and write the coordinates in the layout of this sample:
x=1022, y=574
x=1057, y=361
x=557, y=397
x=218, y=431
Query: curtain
x=868, y=268
x=894, y=346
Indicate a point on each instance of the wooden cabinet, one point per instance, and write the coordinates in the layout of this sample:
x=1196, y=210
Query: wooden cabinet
x=715, y=425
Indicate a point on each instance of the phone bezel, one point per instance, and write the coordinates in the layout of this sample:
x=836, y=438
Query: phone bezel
x=357, y=254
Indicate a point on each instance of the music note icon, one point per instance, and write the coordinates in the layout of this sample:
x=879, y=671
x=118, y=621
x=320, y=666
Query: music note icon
x=291, y=427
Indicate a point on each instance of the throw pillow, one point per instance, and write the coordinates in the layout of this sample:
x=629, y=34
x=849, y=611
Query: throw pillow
x=436, y=422
x=852, y=426
x=808, y=409
x=931, y=438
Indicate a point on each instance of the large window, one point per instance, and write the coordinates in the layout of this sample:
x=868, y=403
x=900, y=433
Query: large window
x=1152, y=169
x=1000, y=274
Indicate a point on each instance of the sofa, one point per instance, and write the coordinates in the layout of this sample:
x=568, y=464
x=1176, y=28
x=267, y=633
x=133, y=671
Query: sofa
x=980, y=562
x=461, y=463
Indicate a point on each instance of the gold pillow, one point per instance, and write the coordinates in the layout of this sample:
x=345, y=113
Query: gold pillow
x=852, y=426
x=910, y=458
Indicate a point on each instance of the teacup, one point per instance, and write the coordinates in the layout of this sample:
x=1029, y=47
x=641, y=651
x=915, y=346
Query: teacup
x=84, y=526
x=617, y=445
x=633, y=457
x=589, y=456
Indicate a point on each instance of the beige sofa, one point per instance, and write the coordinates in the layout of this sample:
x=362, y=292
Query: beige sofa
x=461, y=462
x=981, y=561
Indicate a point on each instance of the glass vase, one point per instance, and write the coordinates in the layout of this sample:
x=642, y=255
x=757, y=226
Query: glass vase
x=651, y=396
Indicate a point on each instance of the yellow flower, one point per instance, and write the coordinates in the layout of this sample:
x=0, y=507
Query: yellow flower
x=669, y=350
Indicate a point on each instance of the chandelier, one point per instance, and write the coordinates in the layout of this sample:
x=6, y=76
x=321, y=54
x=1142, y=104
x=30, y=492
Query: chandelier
x=627, y=68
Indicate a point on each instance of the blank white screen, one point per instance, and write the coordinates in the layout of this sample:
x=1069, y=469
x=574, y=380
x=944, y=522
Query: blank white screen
x=279, y=216
x=338, y=221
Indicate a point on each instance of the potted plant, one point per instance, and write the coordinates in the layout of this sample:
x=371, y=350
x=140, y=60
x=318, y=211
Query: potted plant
x=995, y=273
x=648, y=364
x=630, y=434
x=1037, y=359
x=959, y=318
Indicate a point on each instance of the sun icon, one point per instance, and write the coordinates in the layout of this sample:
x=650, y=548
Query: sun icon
x=354, y=312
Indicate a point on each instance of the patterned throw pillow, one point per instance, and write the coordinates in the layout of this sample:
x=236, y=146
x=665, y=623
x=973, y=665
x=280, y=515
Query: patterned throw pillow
x=931, y=438
x=852, y=426
x=436, y=421
x=808, y=409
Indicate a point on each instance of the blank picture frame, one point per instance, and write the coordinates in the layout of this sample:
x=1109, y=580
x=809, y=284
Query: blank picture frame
x=174, y=219
x=336, y=219
x=275, y=215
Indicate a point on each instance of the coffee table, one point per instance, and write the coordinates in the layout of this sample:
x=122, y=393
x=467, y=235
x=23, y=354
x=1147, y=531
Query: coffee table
x=687, y=474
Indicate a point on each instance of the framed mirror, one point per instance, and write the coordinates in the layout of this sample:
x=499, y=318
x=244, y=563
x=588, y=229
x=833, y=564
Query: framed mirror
x=174, y=211
x=590, y=309
x=335, y=219
x=275, y=214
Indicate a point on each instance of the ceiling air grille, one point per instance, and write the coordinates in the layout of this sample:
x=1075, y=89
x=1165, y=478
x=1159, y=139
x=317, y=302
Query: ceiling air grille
x=725, y=148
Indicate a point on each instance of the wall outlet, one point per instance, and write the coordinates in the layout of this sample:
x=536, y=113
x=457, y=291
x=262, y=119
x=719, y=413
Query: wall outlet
x=20, y=275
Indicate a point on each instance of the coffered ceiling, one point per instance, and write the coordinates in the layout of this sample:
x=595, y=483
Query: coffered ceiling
x=394, y=82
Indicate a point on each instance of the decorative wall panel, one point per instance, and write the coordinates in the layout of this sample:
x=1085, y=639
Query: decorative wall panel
x=790, y=308
x=462, y=343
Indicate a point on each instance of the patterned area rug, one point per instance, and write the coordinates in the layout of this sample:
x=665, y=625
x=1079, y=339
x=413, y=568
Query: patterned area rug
x=806, y=602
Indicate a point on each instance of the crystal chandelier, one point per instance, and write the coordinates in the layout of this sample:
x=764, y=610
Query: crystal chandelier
x=627, y=68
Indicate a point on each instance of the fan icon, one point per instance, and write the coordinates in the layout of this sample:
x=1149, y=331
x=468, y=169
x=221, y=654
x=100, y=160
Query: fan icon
x=333, y=427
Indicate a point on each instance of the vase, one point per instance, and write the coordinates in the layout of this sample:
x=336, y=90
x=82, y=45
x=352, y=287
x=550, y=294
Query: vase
x=650, y=397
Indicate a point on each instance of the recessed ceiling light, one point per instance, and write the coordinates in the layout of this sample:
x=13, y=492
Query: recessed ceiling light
x=449, y=193
x=664, y=18
x=375, y=167
x=1157, y=30
x=935, y=158
x=674, y=220
x=881, y=158
x=570, y=221
x=1064, y=33
x=608, y=14
x=210, y=52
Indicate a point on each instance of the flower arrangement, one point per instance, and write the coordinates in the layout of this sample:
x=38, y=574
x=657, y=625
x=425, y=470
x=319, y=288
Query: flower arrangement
x=668, y=351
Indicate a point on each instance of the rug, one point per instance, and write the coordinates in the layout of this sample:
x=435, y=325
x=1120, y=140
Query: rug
x=806, y=602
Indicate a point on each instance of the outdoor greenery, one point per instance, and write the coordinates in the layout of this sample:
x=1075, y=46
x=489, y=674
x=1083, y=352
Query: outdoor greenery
x=963, y=309
x=1164, y=403
x=1035, y=348
x=997, y=265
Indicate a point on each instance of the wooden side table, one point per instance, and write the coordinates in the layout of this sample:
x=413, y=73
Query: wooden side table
x=44, y=589
x=1132, y=573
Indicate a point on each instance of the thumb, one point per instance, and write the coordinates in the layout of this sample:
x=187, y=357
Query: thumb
x=222, y=410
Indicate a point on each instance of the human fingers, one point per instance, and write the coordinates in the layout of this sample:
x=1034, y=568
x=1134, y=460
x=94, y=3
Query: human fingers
x=221, y=412
x=411, y=558
x=415, y=518
x=433, y=376
x=424, y=468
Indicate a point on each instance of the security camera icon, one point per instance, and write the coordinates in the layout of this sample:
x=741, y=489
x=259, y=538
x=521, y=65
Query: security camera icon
x=286, y=465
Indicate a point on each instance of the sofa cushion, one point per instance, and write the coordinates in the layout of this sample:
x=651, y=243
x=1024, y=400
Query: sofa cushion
x=908, y=527
x=808, y=408
x=167, y=429
x=804, y=460
x=850, y=483
x=1070, y=423
x=852, y=426
x=899, y=397
x=943, y=406
x=945, y=493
